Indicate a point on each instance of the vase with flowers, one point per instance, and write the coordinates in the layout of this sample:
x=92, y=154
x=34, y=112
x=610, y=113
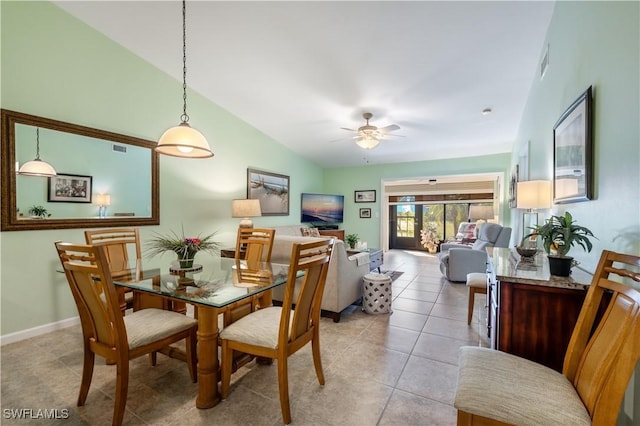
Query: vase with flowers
x=185, y=248
x=429, y=237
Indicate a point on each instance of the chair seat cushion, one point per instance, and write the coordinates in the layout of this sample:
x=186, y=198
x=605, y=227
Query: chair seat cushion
x=259, y=328
x=514, y=390
x=149, y=325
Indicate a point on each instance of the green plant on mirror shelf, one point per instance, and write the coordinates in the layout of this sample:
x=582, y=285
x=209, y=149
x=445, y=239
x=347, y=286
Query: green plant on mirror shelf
x=39, y=212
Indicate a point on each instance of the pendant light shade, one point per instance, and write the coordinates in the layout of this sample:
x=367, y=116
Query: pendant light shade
x=37, y=167
x=183, y=140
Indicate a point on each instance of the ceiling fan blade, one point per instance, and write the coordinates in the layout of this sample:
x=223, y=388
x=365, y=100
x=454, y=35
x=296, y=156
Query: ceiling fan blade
x=349, y=130
x=389, y=128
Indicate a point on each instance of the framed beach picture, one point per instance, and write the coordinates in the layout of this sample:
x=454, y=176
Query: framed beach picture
x=271, y=189
x=66, y=188
x=368, y=196
x=572, y=152
x=365, y=213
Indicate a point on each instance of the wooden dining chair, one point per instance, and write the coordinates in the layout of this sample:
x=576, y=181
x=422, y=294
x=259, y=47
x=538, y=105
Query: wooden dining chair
x=122, y=247
x=277, y=332
x=496, y=388
x=109, y=334
x=254, y=244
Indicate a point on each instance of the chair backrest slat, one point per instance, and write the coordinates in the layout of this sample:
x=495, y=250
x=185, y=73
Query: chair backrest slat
x=94, y=293
x=118, y=243
x=255, y=243
x=600, y=361
x=313, y=259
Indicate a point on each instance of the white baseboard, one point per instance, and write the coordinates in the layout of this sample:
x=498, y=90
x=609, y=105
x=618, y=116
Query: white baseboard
x=37, y=331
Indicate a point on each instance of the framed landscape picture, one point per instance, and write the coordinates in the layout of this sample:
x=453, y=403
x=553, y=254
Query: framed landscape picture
x=368, y=196
x=271, y=189
x=365, y=213
x=572, y=152
x=66, y=188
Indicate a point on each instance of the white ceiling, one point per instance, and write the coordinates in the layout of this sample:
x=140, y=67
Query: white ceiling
x=300, y=70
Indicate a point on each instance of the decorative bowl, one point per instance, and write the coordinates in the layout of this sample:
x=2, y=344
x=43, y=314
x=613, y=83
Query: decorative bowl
x=526, y=252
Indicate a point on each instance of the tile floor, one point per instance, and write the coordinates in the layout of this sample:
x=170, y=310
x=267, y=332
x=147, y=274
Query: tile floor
x=392, y=369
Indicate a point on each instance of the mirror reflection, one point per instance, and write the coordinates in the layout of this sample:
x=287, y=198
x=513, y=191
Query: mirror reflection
x=103, y=179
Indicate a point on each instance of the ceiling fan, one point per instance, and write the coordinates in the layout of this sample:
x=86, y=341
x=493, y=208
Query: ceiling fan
x=368, y=136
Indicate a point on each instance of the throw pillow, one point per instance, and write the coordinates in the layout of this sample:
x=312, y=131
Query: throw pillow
x=315, y=232
x=306, y=232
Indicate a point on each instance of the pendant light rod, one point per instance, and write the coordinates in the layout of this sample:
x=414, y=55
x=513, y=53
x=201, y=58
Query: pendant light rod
x=183, y=140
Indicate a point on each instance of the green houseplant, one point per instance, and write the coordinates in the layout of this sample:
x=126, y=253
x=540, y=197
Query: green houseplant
x=185, y=248
x=38, y=211
x=559, y=234
x=352, y=240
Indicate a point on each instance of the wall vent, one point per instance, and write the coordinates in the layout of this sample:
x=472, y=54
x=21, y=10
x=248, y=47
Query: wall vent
x=119, y=148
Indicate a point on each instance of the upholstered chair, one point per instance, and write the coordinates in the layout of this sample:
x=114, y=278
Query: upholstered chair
x=497, y=388
x=277, y=332
x=109, y=334
x=458, y=260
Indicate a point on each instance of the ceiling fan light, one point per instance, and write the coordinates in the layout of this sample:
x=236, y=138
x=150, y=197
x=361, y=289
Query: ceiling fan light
x=37, y=167
x=184, y=141
x=367, y=142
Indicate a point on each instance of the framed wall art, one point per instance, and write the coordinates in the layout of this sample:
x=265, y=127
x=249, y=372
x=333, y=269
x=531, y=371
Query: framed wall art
x=365, y=213
x=271, y=189
x=66, y=188
x=572, y=152
x=366, y=196
x=513, y=187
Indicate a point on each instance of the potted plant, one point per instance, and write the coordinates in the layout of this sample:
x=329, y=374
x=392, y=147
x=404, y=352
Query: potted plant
x=185, y=248
x=352, y=240
x=429, y=237
x=39, y=212
x=559, y=234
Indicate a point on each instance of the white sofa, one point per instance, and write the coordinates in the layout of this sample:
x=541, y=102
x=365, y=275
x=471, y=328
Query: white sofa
x=344, y=278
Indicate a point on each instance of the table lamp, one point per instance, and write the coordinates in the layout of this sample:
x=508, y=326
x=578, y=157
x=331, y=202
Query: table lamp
x=245, y=209
x=532, y=195
x=103, y=200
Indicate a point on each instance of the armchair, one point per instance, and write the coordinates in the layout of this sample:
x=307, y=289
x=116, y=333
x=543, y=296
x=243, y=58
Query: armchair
x=458, y=260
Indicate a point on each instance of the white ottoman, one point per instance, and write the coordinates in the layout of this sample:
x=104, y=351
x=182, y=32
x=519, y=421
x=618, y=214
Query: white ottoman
x=376, y=295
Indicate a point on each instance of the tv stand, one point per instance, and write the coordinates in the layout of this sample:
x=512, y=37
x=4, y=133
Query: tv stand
x=336, y=233
x=325, y=227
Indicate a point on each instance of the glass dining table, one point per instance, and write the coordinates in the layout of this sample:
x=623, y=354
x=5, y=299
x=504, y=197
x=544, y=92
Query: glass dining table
x=231, y=288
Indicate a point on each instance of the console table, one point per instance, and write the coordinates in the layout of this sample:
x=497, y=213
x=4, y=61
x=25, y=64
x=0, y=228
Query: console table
x=336, y=233
x=532, y=313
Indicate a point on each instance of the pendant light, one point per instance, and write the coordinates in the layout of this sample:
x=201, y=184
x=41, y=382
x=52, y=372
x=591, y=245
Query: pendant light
x=183, y=140
x=37, y=167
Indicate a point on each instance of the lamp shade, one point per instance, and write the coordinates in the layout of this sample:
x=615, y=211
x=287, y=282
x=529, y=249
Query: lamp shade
x=103, y=199
x=37, y=167
x=533, y=194
x=184, y=141
x=367, y=142
x=245, y=208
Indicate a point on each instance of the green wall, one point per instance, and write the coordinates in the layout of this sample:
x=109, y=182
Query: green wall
x=346, y=180
x=57, y=67
x=593, y=44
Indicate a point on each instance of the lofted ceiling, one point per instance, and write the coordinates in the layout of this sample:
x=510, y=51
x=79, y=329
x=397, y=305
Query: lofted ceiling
x=299, y=71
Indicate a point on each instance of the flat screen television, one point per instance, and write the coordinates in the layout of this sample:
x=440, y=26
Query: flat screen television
x=321, y=209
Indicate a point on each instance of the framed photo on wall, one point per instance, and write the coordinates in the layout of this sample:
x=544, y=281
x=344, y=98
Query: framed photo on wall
x=365, y=196
x=365, y=213
x=513, y=186
x=66, y=188
x=573, y=151
x=271, y=189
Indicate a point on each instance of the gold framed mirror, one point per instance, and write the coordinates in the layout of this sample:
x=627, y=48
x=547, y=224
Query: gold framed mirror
x=123, y=170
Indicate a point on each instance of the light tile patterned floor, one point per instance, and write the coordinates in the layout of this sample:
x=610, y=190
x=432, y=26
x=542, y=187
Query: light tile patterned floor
x=395, y=369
